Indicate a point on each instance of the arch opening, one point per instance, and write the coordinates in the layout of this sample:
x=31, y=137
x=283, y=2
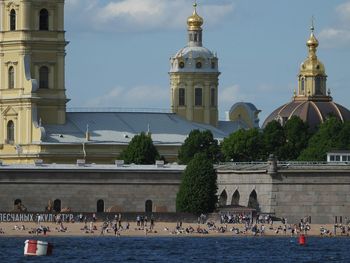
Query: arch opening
x=148, y=206
x=223, y=198
x=253, y=200
x=57, y=205
x=100, y=206
x=43, y=19
x=235, y=198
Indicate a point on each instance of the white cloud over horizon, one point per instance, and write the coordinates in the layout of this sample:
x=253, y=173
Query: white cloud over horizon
x=338, y=35
x=134, y=97
x=145, y=15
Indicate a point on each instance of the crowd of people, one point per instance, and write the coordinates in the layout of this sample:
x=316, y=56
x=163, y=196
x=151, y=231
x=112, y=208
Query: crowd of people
x=230, y=223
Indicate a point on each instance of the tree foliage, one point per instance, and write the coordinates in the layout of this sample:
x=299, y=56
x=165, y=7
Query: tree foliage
x=243, y=146
x=197, y=193
x=274, y=138
x=297, y=135
x=199, y=142
x=332, y=134
x=140, y=150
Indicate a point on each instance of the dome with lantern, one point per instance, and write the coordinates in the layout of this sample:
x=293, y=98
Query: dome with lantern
x=312, y=102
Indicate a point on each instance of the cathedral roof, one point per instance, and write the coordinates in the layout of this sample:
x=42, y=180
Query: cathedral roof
x=312, y=112
x=120, y=127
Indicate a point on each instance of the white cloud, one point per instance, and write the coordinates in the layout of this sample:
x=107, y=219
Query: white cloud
x=339, y=34
x=334, y=37
x=343, y=11
x=135, y=97
x=137, y=15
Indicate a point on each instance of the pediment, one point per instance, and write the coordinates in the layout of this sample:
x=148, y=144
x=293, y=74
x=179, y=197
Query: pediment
x=9, y=111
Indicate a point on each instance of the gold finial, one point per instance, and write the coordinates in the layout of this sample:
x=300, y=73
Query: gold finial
x=312, y=28
x=194, y=21
x=312, y=42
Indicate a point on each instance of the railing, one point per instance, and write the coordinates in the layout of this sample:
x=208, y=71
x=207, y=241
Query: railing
x=118, y=109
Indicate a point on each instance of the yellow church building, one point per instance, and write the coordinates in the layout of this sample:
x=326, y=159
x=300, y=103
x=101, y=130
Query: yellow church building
x=35, y=124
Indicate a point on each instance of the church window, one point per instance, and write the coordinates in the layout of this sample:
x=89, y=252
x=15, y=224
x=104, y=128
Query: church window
x=212, y=97
x=318, y=85
x=195, y=37
x=181, y=97
x=198, y=97
x=13, y=20
x=191, y=37
x=181, y=64
x=199, y=65
x=43, y=20
x=100, y=206
x=213, y=65
x=10, y=132
x=148, y=206
x=44, y=77
x=11, y=78
x=302, y=88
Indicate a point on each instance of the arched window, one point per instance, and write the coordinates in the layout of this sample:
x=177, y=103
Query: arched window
x=198, y=97
x=235, y=198
x=11, y=77
x=223, y=199
x=253, y=201
x=44, y=20
x=10, y=132
x=44, y=77
x=100, y=206
x=318, y=88
x=57, y=205
x=13, y=20
x=181, y=97
x=302, y=88
x=212, y=97
x=148, y=206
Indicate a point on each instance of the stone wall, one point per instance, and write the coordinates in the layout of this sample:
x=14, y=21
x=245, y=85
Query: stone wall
x=80, y=189
x=294, y=192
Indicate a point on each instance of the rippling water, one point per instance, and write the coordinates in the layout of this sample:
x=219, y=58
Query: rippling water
x=182, y=249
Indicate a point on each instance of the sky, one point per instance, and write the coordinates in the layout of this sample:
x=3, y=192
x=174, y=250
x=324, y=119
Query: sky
x=119, y=50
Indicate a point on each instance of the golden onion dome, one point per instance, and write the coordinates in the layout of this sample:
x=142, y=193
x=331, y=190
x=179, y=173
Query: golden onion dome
x=194, y=22
x=312, y=42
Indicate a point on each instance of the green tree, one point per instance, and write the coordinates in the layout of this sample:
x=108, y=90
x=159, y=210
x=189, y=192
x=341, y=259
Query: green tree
x=199, y=142
x=274, y=139
x=297, y=136
x=140, y=150
x=324, y=140
x=197, y=193
x=243, y=146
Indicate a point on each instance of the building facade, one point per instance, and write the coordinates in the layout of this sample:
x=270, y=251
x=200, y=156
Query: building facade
x=35, y=124
x=194, y=77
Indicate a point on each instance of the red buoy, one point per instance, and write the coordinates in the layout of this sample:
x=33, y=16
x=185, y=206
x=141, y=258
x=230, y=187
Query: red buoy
x=37, y=248
x=302, y=240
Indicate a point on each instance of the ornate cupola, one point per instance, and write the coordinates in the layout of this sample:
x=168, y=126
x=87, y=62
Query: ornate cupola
x=312, y=76
x=311, y=102
x=194, y=77
x=195, y=23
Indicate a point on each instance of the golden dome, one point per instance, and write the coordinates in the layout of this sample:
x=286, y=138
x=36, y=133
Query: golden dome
x=312, y=42
x=194, y=22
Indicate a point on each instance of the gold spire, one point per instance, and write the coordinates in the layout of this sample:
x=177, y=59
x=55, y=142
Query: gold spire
x=194, y=22
x=312, y=42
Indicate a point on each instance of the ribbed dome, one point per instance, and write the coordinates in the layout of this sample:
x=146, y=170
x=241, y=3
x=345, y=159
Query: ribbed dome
x=312, y=112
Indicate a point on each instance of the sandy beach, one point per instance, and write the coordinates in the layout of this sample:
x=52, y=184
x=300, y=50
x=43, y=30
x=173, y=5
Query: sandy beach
x=160, y=229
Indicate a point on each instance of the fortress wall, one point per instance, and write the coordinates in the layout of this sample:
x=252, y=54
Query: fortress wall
x=80, y=190
x=294, y=194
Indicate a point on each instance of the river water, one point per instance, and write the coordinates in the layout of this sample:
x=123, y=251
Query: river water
x=182, y=249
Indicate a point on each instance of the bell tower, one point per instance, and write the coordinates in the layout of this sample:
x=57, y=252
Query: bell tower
x=194, y=77
x=32, y=68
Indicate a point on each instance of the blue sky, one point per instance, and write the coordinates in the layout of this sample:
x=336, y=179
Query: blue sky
x=119, y=50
